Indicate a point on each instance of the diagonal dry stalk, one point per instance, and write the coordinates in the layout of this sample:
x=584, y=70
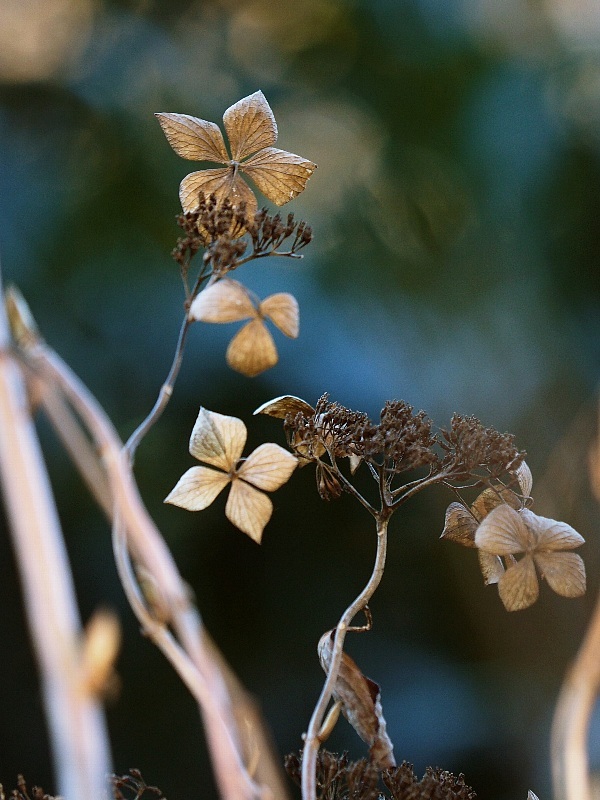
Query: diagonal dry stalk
x=76, y=723
x=312, y=740
x=235, y=737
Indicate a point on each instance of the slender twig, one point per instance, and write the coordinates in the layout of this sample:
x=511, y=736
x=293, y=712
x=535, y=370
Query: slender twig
x=570, y=726
x=312, y=741
x=165, y=392
x=76, y=723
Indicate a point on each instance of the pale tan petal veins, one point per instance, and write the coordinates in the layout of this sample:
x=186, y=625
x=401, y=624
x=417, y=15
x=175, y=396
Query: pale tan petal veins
x=252, y=350
x=503, y=532
x=218, y=439
x=565, y=572
x=491, y=567
x=491, y=498
x=279, y=175
x=552, y=534
x=224, y=301
x=518, y=587
x=193, y=138
x=525, y=478
x=223, y=183
x=268, y=467
x=459, y=525
x=248, y=509
x=282, y=309
x=280, y=407
x=197, y=488
x=250, y=125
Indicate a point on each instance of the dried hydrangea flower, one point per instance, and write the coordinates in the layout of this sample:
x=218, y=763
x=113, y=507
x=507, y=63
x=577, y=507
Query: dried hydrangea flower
x=252, y=130
x=506, y=532
x=219, y=440
x=252, y=350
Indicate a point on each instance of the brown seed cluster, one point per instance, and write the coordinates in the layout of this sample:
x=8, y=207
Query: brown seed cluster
x=340, y=779
x=469, y=446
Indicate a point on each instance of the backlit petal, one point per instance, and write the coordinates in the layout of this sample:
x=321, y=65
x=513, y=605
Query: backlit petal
x=491, y=567
x=518, y=587
x=503, y=532
x=279, y=175
x=250, y=125
x=193, y=138
x=552, y=534
x=565, y=572
x=459, y=525
x=252, y=350
x=223, y=183
x=218, y=439
x=224, y=301
x=282, y=310
x=197, y=488
x=268, y=467
x=248, y=509
x=280, y=407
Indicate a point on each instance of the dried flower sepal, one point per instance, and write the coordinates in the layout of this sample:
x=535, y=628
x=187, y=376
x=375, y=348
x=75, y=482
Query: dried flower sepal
x=219, y=440
x=252, y=350
x=506, y=532
x=360, y=700
x=252, y=130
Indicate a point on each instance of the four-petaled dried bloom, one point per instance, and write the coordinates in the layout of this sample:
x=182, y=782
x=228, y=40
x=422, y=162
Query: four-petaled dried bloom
x=252, y=350
x=252, y=130
x=219, y=440
x=506, y=532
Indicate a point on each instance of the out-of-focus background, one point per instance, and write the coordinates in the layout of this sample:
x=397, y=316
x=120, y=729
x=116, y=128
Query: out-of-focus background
x=454, y=265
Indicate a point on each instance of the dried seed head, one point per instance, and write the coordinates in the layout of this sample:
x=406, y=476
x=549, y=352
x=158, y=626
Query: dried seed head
x=470, y=447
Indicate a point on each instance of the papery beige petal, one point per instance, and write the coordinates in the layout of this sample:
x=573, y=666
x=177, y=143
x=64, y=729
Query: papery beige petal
x=282, y=310
x=532, y=795
x=459, y=525
x=525, y=478
x=223, y=183
x=491, y=498
x=268, y=467
x=193, y=138
x=361, y=703
x=279, y=175
x=280, y=407
x=217, y=439
x=197, y=488
x=491, y=567
x=250, y=125
x=248, y=509
x=503, y=532
x=224, y=301
x=252, y=350
x=565, y=572
x=552, y=534
x=518, y=587
x=355, y=462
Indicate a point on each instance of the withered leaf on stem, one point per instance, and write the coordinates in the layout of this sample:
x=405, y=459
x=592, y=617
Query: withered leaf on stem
x=361, y=703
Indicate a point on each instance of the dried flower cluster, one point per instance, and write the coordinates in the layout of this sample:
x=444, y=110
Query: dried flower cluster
x=341, y=779
x=470, y=446
x=124, y=787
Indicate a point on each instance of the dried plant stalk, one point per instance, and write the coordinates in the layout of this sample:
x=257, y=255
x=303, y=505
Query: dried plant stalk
x=75, y=720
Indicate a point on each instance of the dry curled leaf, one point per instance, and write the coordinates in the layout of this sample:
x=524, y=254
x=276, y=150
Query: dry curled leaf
x=219, y=440
x=361, y=703
x=506, y=532
x=252, y=350
x=252, y=130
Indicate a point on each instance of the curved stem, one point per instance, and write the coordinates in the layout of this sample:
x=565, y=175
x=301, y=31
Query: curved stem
x=166, y=390
x=570, y=726
x=312, y=741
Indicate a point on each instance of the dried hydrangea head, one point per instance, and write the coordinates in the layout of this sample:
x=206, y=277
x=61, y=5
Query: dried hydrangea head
x=252, y=350
x=252, y=130
x=470, y=446
x=219, y=440
x=506, y=532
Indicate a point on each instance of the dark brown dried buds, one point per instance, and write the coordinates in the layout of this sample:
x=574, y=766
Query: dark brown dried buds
x=471, y=447
x=361, y=703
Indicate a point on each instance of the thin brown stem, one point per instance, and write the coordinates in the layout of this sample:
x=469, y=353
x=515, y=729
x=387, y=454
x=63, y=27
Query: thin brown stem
x=312, y=741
